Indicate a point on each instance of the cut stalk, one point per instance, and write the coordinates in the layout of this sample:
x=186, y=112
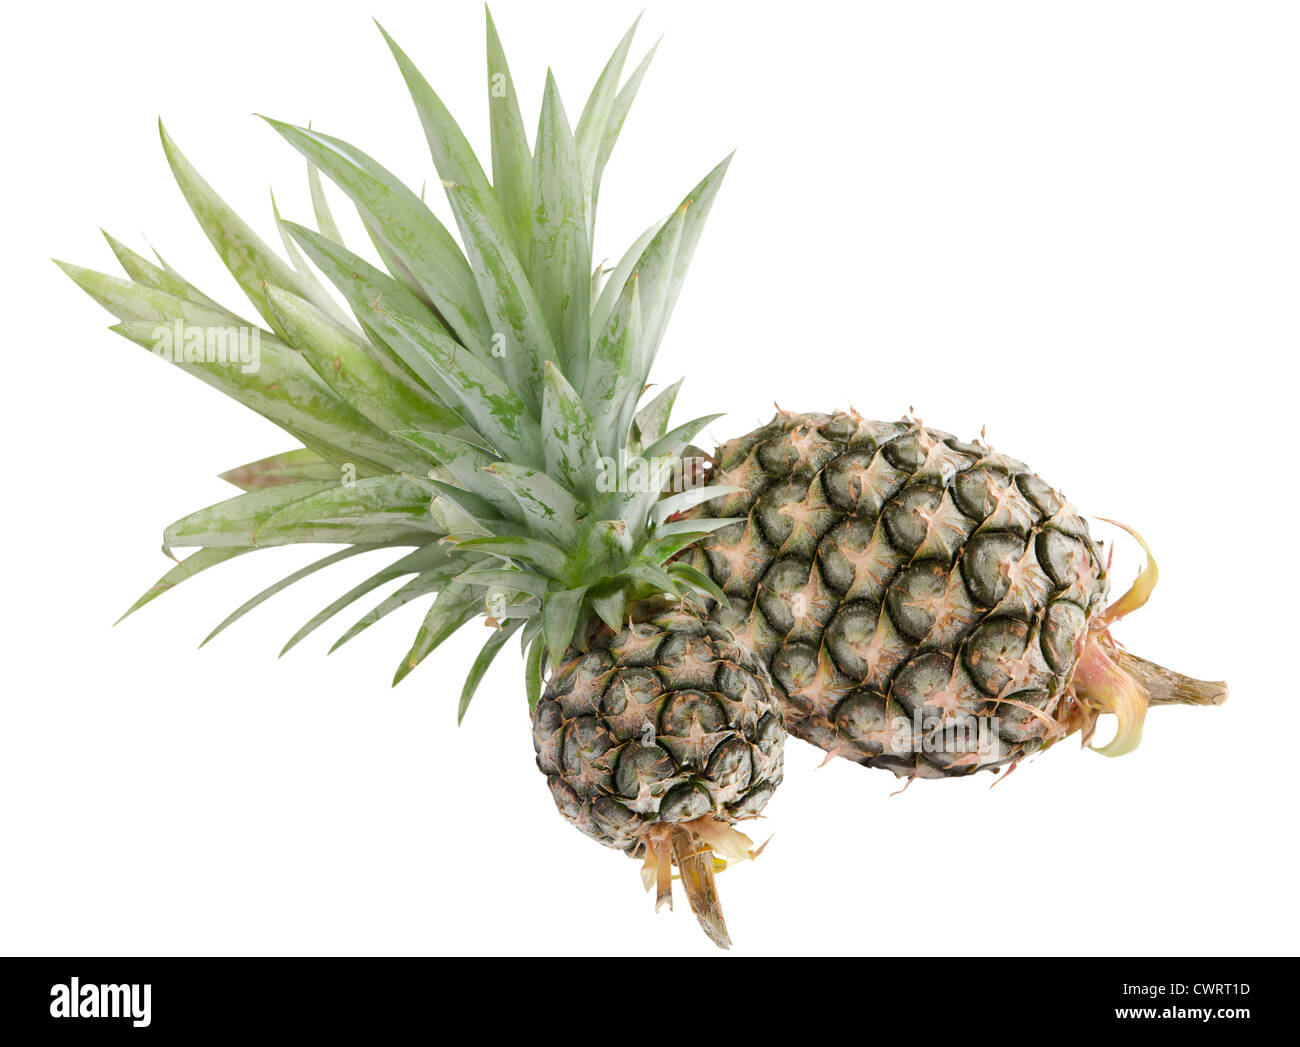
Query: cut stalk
x=1166, y=687
x=695, y=864
x=663, y=873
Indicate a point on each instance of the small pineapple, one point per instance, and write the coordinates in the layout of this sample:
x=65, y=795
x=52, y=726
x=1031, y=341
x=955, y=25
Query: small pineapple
x=477, y=408
x=657, y=739
x=923, y=604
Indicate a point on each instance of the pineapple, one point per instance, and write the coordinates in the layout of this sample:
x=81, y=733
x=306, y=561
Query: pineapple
x=477, y=410
x=923, y=604
x=655, y=739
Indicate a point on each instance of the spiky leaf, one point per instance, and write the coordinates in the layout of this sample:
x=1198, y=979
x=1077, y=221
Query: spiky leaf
x=512, y=162
x=485, y=657
x=244, y=253
x=569, y=434
x=415, y=234
x=561, y=252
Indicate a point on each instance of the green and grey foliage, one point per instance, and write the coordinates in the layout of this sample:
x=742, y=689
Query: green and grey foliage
x=462, y=408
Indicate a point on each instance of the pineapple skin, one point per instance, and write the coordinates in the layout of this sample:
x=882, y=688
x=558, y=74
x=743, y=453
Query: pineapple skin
x=920, y=602
x=662, y=724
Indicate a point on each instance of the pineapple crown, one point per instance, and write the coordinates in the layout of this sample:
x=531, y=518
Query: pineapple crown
x=478, y=403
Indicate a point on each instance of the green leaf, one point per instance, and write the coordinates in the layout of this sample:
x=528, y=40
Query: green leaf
x=456, y=604
x=659, y=472
x=663, y=547
x=366, y=289
x=316, y=293
x=512, y=162
x=473, y=505
x=598, y=279
x=654, y=576
x=679, y=503
x=482, y=399
x=187, y=568
x=611, y=375
x=446, y=450
x=412, y=230
x=520, y=339
x=614, y=123
x=466, y=463
x=560, y=265
x=348, y=367
x=547, y=558
x=320, y=206
x=590, y=131
x=651, y=422
x=534, y=666
x=617, y=281
x=485, y=656
x=611, y=608
x=498, y=577
x=662, y=269
x=289, y=467
x=568, y=435
x=393, y=505
x=698, y=580
x=694, y=525
x=399, y=270
x=127, y=300
x=285, y=390
x=551, y=510
x=560, y=614
x=253, y=367
x=452, y=156
x=248, y=258
x=143, y=271
x=667, y=279
x=376, y=509
x=423, y=559
x=284, y=583
x=425, y=583
x=675, y=442
x=605, y=549
x=523, y=611
x=653, y=275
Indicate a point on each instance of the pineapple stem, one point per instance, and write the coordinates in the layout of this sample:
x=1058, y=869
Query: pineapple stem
x=663, y=873
x=695, y=863
x=1108, y=679
x=1166, y=687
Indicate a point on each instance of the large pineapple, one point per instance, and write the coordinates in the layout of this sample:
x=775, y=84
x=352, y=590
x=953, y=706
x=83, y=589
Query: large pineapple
x=923, y=604
x=477, y=407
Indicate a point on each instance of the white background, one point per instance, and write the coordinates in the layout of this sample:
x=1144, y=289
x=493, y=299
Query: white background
x=1075, y=224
